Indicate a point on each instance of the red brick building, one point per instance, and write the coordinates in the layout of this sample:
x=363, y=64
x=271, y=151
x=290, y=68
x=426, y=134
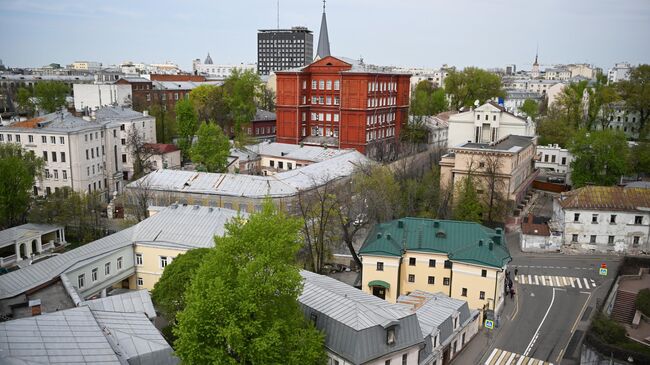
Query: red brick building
x=342, y=103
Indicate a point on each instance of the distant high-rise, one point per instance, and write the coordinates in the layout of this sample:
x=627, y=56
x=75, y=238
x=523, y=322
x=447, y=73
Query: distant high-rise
x=281, y=49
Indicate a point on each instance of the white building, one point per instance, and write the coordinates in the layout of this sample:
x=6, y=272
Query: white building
x=604, y=218
x=86, y=65
x=277, y=157
x=93, y=96
x=487, y=123
x=620, y=71
x=554, y=158
x=515, y=99
x=220, y=71
x=86, y=154
x=622, y=119
x=438, y=128
x=557, y=73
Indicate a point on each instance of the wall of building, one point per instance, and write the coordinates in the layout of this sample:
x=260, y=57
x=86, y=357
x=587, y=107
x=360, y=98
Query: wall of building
x=151, y=270
x=623, y=230
x=97, y=95
x=389, y=274
x=465, y=276
x=103, y=281
x=554, y=158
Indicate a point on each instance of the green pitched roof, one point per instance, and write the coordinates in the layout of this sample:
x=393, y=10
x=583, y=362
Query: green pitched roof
x=462, y=241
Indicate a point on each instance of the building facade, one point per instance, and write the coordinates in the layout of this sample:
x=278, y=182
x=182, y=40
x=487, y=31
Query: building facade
x=487, y=123
x=515, y=99
x=280, y=49
x=554, y=158
x=464, y=260
x=342, y=103
x=93, y=96
x=620, y=71
x=218, y=71
x=604, y=218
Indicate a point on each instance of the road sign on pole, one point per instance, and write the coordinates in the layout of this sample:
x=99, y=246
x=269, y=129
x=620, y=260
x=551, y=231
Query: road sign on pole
x=603, y=265
x=603, y=271
x=489, y=324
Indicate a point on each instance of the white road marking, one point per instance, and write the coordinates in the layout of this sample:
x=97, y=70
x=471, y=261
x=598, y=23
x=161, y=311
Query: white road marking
x=586, y=283
x=494, y=352
x=502, y=357
x=564, y=280
x=543, y=281
x=536, y=280
x=510, y=358
x=579, y=284
x=571, y=281
x=530, y=345
x=530, y=279
x=503, y=354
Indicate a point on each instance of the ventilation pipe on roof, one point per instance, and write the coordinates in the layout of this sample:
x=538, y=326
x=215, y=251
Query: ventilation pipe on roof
x=491, y=245
x=436, y=224
x=480, y=243
x=388, y=236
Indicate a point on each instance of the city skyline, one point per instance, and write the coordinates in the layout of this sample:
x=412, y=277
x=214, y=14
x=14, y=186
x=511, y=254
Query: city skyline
x=463, y=33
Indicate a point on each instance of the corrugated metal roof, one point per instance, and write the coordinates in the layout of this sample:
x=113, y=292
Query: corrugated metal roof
x=610, y=198
x=296, y=152
x=187, y=226
x=133, y=302
x=458, y=239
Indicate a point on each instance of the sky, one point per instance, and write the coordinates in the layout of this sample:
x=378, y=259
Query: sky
x=414, y=33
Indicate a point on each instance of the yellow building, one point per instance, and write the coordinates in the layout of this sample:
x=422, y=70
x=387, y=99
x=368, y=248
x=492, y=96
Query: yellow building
x=464, y=260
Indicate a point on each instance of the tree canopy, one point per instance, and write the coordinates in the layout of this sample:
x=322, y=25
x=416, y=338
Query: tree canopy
x=555, y=128
x=241, y=306
x=530, y=108
x=599, y=157
x=636, y=93
x=471, y=84
x=211, y=149
x=51, y=95
x=19, y=169
x=427, y=100
x=467, y=206
x=241, y=90
x=186, y=123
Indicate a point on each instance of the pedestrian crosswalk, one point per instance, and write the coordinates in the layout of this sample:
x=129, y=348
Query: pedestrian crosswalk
x=502, y=357
x=558, y=281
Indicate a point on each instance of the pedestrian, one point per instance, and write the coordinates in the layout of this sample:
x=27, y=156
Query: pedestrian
x=516, y=271
x=512, y=293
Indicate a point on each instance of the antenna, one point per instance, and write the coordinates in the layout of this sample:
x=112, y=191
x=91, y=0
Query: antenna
x=278, y=14
x=323, y=6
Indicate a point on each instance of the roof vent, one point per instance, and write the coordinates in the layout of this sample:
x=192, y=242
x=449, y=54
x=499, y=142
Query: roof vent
x=499, y=231
x=196, y=207
x=210, y=209
x=480, y=243
x=491, y=245
x=174, y=206
x=379, y=235
x=441, y=234
x=436, y=224
x=388, y=236
x=400, y=224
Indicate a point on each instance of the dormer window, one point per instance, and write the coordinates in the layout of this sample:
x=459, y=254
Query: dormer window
x=390, y=336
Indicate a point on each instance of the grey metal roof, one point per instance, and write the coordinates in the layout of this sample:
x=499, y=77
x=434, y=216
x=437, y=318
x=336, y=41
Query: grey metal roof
x=18, y=77
x=435, y=312
x=511, y=143
x=263, y=115
x=182, y=85
x=53, y=122
x=355, y=322
x=283, y=184
x=296, y=151
x=12, y=234
x=138, y=301
x=111, y=113
x=185, y=226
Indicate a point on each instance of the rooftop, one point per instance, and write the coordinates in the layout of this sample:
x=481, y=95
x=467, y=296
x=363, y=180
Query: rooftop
x=462, y=241
x=610, y=198
x=12, y=234
x=296, y=152
x=263, y=115
x=161, y=148
x=510, y=143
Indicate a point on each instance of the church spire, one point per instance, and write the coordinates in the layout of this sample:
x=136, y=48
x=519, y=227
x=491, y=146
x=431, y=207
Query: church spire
x=323, y=49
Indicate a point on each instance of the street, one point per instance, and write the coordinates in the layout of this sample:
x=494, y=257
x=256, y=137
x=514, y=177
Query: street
x=555, y=296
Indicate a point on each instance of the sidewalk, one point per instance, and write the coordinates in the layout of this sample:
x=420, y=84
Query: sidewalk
x=477, y=350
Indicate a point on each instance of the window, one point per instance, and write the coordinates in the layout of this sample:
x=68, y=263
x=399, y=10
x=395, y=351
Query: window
x=445, y=281
x=280, y=164
x=612, y=218
x=484, y=273
x=107, y=268
x=45, y=156
x=47, y=173
x=119, y=263
x=123, y=142
x=576, y=217
x=65, y=174
x=635, y=241
x=53, y=156
x=304, y=84
x=53, y=140
x=411, y=261
x=592, y=238
x=271, y=163
x=610, y=240
x=447, y=264
x=380, y=266
x=405, y=358
x=93, y=275
x=574, y=238
x=463, y=292
x=328, y=85
x=140, y=282
x=481, y=295
x=289, y=165
x=56, y=173
x=387, y=362
x=337, y=84
x=163, y=261
x=138, y=259
x=594, y=218
x=390, y=337
x=563, y=160
x=411, y=278
x=124, y=158
x=481, y=164
x=431, y=280
x=321, y=84
x=81, y=281
x=9, y=137
x=43, y=139
x=638, y=219
x=30, y=138
x=62, y=156
x=432, y=263
x=313, y=84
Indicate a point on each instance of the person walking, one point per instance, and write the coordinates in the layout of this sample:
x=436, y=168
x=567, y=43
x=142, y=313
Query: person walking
x=516, y=271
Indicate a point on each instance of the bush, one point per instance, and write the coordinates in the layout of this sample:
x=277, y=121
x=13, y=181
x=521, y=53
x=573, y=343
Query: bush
x=642, y=302
x=608, y=330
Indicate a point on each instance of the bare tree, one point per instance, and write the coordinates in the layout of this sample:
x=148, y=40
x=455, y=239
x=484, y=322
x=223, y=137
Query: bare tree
x=138, y=197
x=492, y=180
x=140, y=151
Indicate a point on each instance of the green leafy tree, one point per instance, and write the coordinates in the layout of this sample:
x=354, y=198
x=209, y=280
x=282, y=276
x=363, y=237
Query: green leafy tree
x=210, y=104
x=530, y=108
x=471, y=84
x=427, y=100
x=376, y=186
x=241, y=306
x=266, y=99
x=51, y=95
x=642, y=302
x=187, y=123
x=468, y=206
x=25, y=102
x=165, y=123
x=636, y=94
x=211, y=149
x=241, y=90
x=640, y=159
x=570, y=103
x=600, y=157
x=555, y=128
x=19, y=169
x=169, y=292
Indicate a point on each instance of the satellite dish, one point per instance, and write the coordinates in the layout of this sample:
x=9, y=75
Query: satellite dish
x=476, y=102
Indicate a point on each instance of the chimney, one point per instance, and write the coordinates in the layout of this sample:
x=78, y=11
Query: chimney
x=145, y=113
x=35, y=305
x=436, y=224
x=388, y=236
x=480, y=243
x=379, y=235
x=491, y=245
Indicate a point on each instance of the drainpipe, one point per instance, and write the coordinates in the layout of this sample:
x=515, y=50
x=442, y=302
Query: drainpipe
x=399, y=274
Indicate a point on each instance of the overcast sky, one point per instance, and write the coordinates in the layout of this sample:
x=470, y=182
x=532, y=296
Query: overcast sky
x=418, y=33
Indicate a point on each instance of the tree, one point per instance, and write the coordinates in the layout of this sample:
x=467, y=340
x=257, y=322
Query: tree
x=530, y=108
x=137, y=199
x=187, y=123
x=494, y=201
x=210, y=104
x=241, y=306
x=468, y=206
x=642, y=301
x=165, y=123
x=51, y=95
x=169, y=292
x=555, y=128
x=211, y=149
x=351, y=216
x=241, y=90
x=464, y=87
x=141, y=153
x=640, y=159
x=266, y=99
x=24, y=98
x=19, y=169
x=570, y=102
x=636, y=94
x=427, y=100
x=376, y=186
x=599, y=157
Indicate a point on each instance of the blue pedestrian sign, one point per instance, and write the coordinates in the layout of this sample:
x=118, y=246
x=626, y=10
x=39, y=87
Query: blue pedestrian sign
x=489, y=324
x=602, y=271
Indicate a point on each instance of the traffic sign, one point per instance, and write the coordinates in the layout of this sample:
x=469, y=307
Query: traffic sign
x=603, y=271
x=489, y=324
x=603, y=265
